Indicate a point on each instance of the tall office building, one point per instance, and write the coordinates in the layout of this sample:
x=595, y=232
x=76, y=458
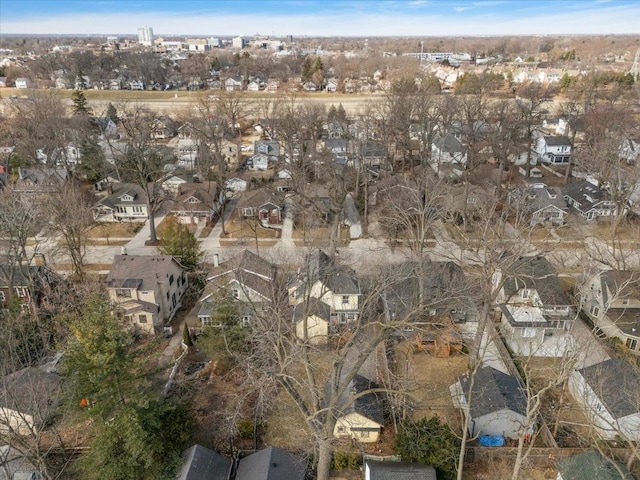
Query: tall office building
x=238, y=42
x=145, y=36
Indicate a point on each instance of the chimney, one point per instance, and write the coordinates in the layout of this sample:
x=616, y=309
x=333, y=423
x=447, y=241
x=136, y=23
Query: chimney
x=216, y=259
x=124, y=250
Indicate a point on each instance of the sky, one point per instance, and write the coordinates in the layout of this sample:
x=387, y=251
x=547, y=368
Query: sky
x=321, y=18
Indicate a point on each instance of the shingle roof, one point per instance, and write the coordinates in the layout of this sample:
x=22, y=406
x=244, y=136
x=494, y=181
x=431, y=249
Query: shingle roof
x=143, y=271
x=585, y=193
x=617, y=385
x=315, y=307
x=557, y=141
x=449, y=144
x=121, y=189
x=535, y=273
x=272, y=463
x=339, y=279
x=249, y=270
x=591, y=465
x=493, y=391
x=399, y=471
x=369, y=405
x=203, y=464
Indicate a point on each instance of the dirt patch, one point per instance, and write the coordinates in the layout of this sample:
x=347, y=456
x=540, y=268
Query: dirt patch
x=237, y=229
x=428, y=379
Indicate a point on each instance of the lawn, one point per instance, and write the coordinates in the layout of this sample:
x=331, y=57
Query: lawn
x=115, y=230
x=248, y=230
x=318, y=237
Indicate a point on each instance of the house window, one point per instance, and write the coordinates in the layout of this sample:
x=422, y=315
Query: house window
x=247, y=212
x=351, y=317
x=2, y=297
x=625, y=301
x=171, y=280
x=121, y=209
x=632, y=343
x=21, y=292
x=364, y=434
x=123, y=292
x=595, y=311
x=138, y=209
x=246, y=320
x=142, y=318
x=345, y=299
x=528, y=333
x=236, y=293
x=525, y=293
x=341, y=429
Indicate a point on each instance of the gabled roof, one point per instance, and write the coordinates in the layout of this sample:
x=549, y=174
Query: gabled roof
x=586, y=194
x=368, y=405
x=119, y=191
x=449, y=144
x=621, y=283
x=399, y=471
x=249, y=270
x=200, y=463
x=535, y=273
x=493, y=391
x=272, y=463
x=31, y=390
x=592, y=465
x=617, y=385
x=258, y=198
x=315, y=307
x=339, y=279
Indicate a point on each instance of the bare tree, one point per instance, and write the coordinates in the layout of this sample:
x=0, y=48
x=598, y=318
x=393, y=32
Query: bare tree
x=141, y=159
x=70, y=216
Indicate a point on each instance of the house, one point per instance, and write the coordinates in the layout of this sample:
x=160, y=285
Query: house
x=27, y=400
x=197, y=202
x=25, y=286
x=16, y=466
x=148, y=290
x=542, y=204
x=374, y=470
x=531, y=281
x=263, y=206
x=593, y=465
x=553, y=150
x=246, y=278
x=234, y=83
x=106, y=127
x=589, y=201
x=331, y=86
x=200, y=463
x=608, y=393
x=62, y=83
x=498, y=403
x=40, y=181
x=236, y=185
x=187, y=152
x=124, y=202
x=266, y=152
x=338, y=147
x=271, y=463
x=135, y=85
x=360, y=415
x=611, y=300
x=529, y=332
x=556, y=125
x=23, y=83
x=272, y=86
x=254, y=86
x=162, y=128
x=3, y=82
x=335, y=284
x=448, y=151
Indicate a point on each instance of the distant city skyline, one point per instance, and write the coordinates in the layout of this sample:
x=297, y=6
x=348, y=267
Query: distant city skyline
x=322, y=18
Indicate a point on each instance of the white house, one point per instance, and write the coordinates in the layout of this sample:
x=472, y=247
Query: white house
x=589, y=200
x=124, y=201
x=611, y=300
x=236, y=184
x=553, y=150
x=608, y=393
x=360, y=418
x=448, y=152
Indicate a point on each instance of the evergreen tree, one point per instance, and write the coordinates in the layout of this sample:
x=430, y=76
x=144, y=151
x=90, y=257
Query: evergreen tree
x=80, y=103
x=112, y=113
x=307, y=70
x=178, y=241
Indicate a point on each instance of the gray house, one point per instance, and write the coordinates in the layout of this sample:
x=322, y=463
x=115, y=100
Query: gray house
x=498, y=403
x=272, y=463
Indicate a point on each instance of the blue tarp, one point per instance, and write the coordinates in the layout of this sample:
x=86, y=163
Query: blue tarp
x=491, y=441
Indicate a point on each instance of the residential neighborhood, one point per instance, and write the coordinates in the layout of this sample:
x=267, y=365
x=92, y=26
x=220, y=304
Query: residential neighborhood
x=271, y=264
